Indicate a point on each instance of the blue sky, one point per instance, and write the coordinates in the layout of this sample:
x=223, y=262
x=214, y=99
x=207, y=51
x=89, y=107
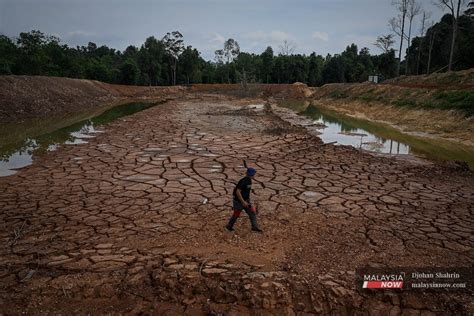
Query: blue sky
x=322, y=26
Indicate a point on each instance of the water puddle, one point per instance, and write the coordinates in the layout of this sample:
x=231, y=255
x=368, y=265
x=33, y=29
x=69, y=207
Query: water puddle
x=19, y=142
x=379, y=138
x=334, y=129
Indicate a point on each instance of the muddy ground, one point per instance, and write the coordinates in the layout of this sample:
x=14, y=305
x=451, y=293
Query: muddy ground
x=133, y=221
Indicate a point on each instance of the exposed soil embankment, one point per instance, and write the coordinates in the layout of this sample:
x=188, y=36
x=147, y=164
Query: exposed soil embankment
x=454, y=80
x=24, y=97
x=420, y=104
x=293, y=91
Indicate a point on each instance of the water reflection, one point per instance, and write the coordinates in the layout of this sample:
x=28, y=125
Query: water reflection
x=19, y=153
x=378, y=137
x=347, y=133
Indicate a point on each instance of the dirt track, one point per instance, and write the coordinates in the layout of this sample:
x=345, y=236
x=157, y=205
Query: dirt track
x=120, y=224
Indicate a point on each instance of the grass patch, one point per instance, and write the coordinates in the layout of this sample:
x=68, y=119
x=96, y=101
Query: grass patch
x=371, y=90
x=461, y=100
x=404, y=101
x=450, y=78
x=367, y=97
x=338, y=94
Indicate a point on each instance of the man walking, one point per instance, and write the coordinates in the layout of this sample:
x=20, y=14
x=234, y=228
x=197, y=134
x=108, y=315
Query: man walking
x=241, y=201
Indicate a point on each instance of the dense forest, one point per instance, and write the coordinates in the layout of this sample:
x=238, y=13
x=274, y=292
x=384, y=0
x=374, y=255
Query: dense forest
x=169, y=61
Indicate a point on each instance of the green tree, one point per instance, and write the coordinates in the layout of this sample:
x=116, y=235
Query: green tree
x=96, y=70
x=230, y=51
x=189, y=62
x=334, y=70
x=8, y=55
x=267, y=64
x=149, y=59
x=32, y=56
x=174, y=46
x=129, y=72
x=315, y=71
x=246, y=68
x=386, y=64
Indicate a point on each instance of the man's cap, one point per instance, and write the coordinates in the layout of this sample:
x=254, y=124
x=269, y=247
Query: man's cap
x=251, y=171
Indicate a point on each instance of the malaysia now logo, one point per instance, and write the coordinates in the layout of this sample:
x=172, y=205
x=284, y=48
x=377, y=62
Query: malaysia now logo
x=383, y=281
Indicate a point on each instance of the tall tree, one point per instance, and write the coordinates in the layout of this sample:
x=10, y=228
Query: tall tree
x=267, y=64
x=334, y=69
x=129, y=72
x=424, y=20
x=189, y=62
x=8, y=55
x=287, y=48
x=384, y=42
x=174, y=47
x=315, y=69
x=470, y=9
x=226, y=55
x=150, y=58
x=246, y=66
x=398, y=26
x=33, y=56
x=432, y=38
x=230, y=51
x=414, y=9
x=454, y=6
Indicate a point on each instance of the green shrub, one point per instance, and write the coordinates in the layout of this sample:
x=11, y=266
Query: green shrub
x=405, y=102
x=338, y=94
x=462, y=100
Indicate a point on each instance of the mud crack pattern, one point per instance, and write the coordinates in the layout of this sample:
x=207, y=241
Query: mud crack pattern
x=135, y=219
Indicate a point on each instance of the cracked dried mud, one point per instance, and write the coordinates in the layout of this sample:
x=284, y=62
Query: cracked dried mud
x=133, y=221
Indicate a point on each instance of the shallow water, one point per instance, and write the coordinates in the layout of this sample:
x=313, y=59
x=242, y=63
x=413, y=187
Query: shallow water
x=381, y=138
x=19, y=142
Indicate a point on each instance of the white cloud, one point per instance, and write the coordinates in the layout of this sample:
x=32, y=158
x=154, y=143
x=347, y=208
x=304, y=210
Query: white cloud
x=323, y=36
x=216, y=41
x=259, y=38
x=218, y=38
x=256, y=36
x=279, y=36
x=80, y=33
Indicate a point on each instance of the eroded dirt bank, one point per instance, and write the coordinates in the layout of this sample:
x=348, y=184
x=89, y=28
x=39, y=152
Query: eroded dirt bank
x=23, y=97
x=438, y=105
x=133, y=221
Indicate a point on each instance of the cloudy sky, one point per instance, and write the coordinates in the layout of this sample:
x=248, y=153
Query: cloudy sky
x=323, y=26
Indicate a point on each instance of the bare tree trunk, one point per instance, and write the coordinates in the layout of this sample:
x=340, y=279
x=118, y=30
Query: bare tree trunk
x=454, y=6
x=432, y=37
x=453, y=40
x=451, y=53
x=408, y=48
x=413, y=10
x=174, y=72
x=419, y=56
x=401, y=46
x=423, y=21
x=403, y=9
x=455, y=29
x=244, y=79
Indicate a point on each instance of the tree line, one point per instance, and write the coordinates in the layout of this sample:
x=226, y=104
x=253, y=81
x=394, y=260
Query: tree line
x=168, y=61
x=446, y=45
